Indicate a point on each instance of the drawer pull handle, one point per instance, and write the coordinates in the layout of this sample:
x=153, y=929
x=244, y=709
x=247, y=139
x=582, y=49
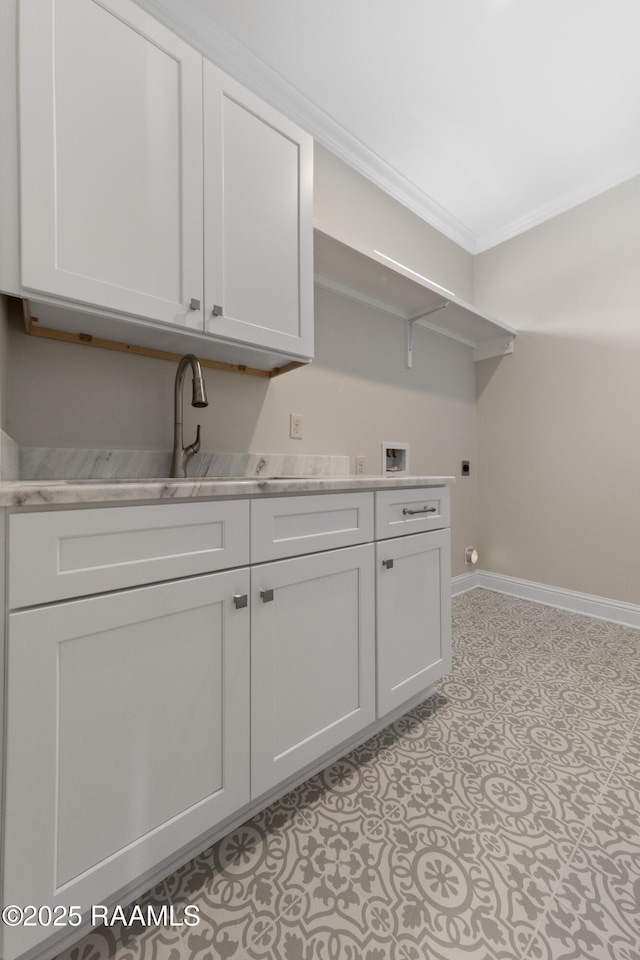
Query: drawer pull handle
x=267, y=595
x=388, y=564
x=410, y=513
x=241, y=600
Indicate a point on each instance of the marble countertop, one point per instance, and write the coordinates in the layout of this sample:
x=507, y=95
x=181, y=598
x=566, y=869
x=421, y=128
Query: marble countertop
x=32, y=493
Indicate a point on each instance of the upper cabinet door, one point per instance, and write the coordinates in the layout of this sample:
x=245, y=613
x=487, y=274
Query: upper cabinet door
x=111, y=159
x=258, y=173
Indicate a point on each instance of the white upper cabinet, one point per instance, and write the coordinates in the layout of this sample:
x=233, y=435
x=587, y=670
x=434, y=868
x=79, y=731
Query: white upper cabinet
x=146, y=216
x=110, y=159
x=258, y=220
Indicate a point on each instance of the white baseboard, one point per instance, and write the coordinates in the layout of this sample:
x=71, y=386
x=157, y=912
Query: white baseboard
x=464, y=582
x=616, y=611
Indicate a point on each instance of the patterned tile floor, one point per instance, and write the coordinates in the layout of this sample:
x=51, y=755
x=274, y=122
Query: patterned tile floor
x=499, y=820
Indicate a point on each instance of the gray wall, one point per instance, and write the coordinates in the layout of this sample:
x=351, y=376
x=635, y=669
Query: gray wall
x=356, y=394
x=4, y=322
x=559, y=490
x=355, y=211
x=558, y=456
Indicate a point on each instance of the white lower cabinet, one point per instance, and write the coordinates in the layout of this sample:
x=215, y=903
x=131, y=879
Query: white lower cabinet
x=413, y=614
x=127, y=737
x=312, y=659
x=144, y=716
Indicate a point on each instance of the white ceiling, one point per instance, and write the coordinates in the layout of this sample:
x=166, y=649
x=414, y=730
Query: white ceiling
x=485, y=117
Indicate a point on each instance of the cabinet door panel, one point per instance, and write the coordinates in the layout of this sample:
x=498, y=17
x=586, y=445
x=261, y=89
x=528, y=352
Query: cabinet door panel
x=413, y=616
x=312, y=650
x=258, y=220
x=111, y=159
x=127, y=736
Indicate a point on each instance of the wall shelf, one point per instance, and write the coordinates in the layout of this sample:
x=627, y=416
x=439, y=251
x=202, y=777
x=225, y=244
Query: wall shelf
x=371, y=277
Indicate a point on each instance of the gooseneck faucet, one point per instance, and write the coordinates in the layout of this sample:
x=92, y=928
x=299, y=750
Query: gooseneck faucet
x=181, y=454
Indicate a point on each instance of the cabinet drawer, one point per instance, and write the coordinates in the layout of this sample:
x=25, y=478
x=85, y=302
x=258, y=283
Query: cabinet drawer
x=399, y=512
x=72, y=553
x=290, y=526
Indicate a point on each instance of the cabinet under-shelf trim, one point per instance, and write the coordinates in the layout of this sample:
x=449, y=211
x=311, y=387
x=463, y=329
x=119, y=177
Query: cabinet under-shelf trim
x=34, y=329
x=374, y=278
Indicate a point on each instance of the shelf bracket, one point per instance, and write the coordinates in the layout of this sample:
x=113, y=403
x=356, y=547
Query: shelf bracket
x=409, y=329
x=500, y=346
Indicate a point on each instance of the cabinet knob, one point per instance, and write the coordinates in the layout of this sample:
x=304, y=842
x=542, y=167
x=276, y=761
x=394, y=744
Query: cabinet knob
x=195, y=304
x=267, y=595
x=240, y=600
x=217, y=310
x=388, y=564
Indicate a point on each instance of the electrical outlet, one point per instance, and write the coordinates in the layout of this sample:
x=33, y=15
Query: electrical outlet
x=359, y=464
x=295, y=426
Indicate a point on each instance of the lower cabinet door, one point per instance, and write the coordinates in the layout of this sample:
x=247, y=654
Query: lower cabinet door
x=312, y=659
x=127, y=737
x=413, y=576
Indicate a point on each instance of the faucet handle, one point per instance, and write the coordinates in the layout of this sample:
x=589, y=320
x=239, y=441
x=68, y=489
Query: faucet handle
x=194, y=447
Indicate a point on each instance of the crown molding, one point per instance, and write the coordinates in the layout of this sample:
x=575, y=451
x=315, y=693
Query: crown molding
x=561, y=205
x=196, y=25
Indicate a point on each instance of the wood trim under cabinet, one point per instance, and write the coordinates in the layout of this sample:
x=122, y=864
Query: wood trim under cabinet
x=33, y=328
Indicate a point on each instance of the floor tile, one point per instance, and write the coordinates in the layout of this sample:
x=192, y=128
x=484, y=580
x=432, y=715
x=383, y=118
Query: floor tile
x=340, y=871
x=366, y=781
x=591, y=934
x=596, y=911
x=560, y=693
x=326, y=938
x=497, y=820
x=602, y=676
x=467, y=694
x=456, y=893
x=451, y=725
x=615, y=825
x=100, y=944
x=567, y=744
